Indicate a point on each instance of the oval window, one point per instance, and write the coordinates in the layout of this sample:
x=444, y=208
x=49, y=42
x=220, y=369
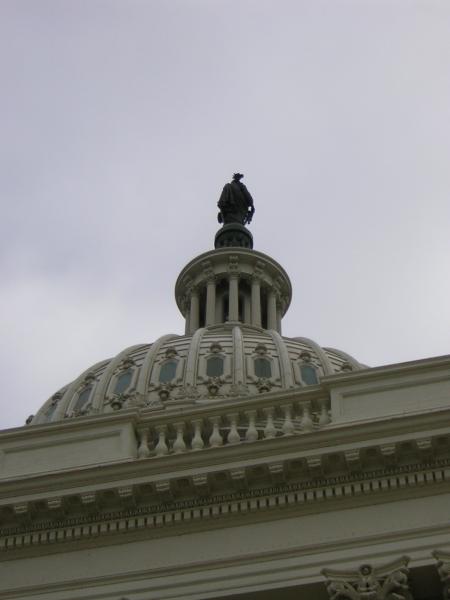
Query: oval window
x=214, y=366
x=123, y=381
x=263, y=368
x=168, y=371
x=308, y=374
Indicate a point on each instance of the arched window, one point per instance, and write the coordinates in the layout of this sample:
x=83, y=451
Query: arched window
x=263, y=368
x=308, y=374
x=123, y=381
x=214, y=366
x=168, y=371
x=83, y=398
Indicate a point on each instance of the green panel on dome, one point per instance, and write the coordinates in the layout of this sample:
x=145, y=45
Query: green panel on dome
x=83, y=398
x=168, y=371
x=214, y=366
x=309, y=374
x=123, y=382
x=263, y=368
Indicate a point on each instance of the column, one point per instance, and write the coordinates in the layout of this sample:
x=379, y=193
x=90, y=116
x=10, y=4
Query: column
x=271, y=310
x=279, y=310
x=186, y=314
x=256, y=302
x=194, y=318
x=247, y=309
x=211, y=302
x=220, y=318
x=233, y=298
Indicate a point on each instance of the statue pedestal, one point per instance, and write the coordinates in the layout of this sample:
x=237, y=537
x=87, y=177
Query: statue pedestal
x=233, y=235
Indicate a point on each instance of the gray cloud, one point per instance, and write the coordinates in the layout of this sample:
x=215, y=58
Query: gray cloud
x=121, y=121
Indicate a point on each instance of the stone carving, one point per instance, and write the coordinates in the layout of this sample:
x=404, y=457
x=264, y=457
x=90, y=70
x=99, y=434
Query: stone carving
x=443, y=568
x=263, y=384
x=387, y=582
x=164, y=390
x=213, y=385
x=171, y=352
x=117, y=401
x=215, y=348
x=235, y=203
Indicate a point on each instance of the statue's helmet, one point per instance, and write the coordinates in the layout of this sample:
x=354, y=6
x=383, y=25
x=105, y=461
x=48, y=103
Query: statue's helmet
x=237, y=176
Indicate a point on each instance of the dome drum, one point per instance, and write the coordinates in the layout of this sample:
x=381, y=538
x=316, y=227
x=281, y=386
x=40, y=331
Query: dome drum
x=233, y=285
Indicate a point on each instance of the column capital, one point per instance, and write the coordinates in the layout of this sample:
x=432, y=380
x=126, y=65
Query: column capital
x=378, y=583
x=443, y=569
x=193, y=290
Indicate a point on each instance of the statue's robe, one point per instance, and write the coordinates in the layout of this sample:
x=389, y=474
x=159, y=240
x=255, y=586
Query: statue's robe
x=235, y=203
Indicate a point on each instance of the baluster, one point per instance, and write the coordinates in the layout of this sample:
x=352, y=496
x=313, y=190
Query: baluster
x=306, y=422
x=215, y=439
x=143, y=449
x=233, y=436
x=197, y=441
x=288, y=426
x=179, y=444
x=251, y=435
x=324, y=418
x=161, y=447
x=269, y=429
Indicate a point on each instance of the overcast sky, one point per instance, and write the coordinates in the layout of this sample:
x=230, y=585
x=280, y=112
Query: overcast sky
x=122, y=120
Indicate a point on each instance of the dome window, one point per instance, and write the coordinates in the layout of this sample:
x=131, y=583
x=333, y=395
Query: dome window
x=83, y=399
x=123, y=381
x=214, y=366
x=308, y=374
x=168, y=371
x=263, y=368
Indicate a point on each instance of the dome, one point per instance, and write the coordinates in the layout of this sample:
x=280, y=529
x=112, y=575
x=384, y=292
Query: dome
x=233, y=299
x=217, y=363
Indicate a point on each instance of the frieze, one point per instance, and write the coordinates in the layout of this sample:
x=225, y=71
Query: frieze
x=275, y=495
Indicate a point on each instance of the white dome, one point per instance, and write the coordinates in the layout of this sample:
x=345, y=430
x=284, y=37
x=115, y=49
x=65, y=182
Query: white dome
x=217, y=363
x=233, y=299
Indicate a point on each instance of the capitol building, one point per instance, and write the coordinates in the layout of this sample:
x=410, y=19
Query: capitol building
x=233, y=460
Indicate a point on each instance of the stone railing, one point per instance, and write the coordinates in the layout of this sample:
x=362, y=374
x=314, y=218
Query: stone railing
x=228, y=424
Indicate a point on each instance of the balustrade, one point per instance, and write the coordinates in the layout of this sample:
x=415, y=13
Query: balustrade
x=217, y=427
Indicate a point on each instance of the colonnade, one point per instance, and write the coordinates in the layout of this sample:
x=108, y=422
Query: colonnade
x=252, y=309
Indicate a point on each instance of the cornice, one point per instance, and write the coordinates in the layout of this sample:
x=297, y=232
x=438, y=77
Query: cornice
x=172, y=517
x=65, y=426
x=396, y=369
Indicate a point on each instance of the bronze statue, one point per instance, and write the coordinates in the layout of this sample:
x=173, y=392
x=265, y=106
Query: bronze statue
x=235, y=203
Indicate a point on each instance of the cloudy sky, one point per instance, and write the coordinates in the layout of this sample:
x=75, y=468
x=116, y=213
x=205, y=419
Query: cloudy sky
x=120, y=121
